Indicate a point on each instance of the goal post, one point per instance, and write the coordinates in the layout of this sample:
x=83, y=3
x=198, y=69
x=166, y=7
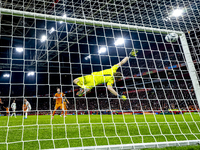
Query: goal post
x=138, y=145
x=190, y=68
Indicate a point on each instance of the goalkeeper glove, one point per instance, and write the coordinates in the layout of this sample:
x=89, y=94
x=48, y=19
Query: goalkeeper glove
x=122, y=97
x=133, y=53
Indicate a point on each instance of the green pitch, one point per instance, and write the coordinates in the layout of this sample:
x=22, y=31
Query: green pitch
x=90, y=130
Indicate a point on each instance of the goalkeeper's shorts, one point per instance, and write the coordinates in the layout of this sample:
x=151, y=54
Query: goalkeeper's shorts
x=87, y=81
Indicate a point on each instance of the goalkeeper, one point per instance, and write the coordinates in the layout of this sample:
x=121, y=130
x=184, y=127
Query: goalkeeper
x=108, y=76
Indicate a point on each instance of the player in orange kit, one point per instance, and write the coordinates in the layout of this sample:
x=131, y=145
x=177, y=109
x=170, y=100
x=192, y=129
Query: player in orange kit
x=7, y=110
x=24, y=108
x=1, y=104
x=59, y=101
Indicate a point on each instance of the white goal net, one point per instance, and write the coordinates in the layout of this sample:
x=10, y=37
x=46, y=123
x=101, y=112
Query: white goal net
x=46, y=45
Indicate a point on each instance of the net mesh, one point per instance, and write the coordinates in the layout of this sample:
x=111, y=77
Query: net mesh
x=161, y=103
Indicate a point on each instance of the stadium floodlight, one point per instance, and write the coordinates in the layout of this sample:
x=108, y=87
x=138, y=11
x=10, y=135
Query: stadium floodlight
x=44, y=38
x=6, y=75
x=119, y=41
x=87, y=57
x=177, y=12
x=64, y=16
x=52, y=30
x=102, y=50
x=19, y=49
x=31, y=73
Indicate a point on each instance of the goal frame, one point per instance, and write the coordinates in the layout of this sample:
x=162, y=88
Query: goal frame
x=189, y=64
x=135, y=146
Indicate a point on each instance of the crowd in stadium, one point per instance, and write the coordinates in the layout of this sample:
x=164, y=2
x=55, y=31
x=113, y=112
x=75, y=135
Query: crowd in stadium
x=139, y=100
x=145, y=94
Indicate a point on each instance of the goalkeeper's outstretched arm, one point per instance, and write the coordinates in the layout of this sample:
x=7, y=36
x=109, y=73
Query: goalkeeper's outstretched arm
x=133, y=53
x=119, y=64
x=110, y=88
x=123, y=61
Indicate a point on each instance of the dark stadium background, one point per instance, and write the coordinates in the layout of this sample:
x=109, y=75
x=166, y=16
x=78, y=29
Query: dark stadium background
x=60, y=61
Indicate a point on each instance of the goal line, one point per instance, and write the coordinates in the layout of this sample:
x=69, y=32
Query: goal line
x=136, y=146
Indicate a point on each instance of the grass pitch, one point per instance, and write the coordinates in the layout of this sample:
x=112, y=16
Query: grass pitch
x=40, y=132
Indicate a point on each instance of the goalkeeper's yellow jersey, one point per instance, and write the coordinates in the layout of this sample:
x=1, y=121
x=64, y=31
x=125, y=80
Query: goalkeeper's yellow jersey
x=105, y=76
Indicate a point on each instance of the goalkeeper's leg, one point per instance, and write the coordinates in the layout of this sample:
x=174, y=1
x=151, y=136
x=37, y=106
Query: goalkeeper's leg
x=79, y=82
x=85, y=84
x=83, y=91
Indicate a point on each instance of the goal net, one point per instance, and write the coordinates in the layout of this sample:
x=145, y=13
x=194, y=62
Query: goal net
x=45, y=45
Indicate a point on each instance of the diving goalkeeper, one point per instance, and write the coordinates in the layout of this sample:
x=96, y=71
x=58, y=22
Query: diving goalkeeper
x=108, y=76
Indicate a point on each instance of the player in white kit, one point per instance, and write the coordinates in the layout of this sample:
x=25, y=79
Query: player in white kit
x=26, y=108
x=13, y=106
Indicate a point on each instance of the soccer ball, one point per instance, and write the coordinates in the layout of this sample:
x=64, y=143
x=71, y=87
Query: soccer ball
x=172, y=37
